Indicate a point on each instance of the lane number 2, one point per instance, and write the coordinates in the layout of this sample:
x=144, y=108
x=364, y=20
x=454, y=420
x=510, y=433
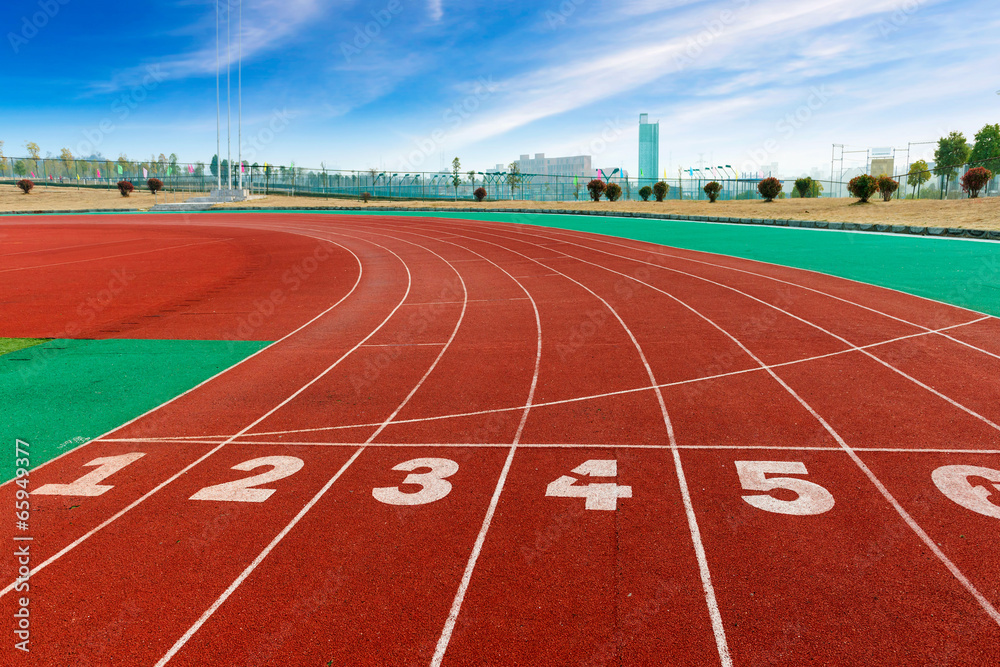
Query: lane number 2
x=599, y=495
x=433, y=484
x=953, y=481
x=242, y=490
x=88, y=484
x=812, y=498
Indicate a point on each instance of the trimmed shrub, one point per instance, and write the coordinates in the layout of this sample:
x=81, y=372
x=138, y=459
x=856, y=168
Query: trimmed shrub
x=804, y=186
x=660, y=190
x=365, y=196
x=712, y=189
x=25, y=184
x=975, y=180
x=125, y=188
x=645, y=192
x=863, y=187
x=886, y=186
x=769, y=188
x=480, y=194
x=154, y=185
x=613, y=191
x=596, y=188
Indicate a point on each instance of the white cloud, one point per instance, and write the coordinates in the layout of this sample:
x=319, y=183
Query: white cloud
x=435, y=9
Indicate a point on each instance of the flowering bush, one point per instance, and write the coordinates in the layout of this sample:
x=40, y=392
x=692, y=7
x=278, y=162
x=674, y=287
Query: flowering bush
x=25, y=185
x=975, y=180
x=125, y=187
x=480, y=194
x=154, y=185
x=712, y=189
x=863, y=187
x=613, y=191
x=645, y=192
x=769, y=188
x=886, y=186
x=660, y=190
x=596, y=188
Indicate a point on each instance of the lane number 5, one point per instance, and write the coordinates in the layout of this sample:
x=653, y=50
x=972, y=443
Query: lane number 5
x=812, y=498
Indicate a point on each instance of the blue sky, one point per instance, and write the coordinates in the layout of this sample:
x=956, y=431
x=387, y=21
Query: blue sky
x=741, y=82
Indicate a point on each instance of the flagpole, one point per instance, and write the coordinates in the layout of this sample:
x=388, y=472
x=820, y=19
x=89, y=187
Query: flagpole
x=239, y=89
x=218, y=104
x=229, y=95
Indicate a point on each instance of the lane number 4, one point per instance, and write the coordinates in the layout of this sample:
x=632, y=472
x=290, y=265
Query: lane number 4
x=599, y=495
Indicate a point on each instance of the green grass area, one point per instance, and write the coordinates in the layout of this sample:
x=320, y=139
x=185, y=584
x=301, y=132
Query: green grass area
x=962, y=272
x=15, y=344
x=61, y=393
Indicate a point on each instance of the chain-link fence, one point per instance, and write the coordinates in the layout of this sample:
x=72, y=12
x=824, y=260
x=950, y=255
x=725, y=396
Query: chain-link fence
x=196, y=177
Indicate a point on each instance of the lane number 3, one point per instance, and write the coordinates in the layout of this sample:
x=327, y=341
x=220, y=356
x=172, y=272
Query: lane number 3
x=433, y=485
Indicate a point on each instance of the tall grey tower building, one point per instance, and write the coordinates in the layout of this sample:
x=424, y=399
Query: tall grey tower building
x=649, y=150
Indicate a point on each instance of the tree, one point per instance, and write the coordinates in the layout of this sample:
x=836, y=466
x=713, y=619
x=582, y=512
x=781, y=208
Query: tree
x=513, y=177
x=1, y=150
x=214, y=167
x=456, y=180
x=985, y=153
x=887, y=186
x=951, y=152
x=20, y=167
x=33, y=150
x=645, y=192
x=660, y=190
x=712, y=189
x=472, y=181
x=769, y=188
x=67, y=159
x=199, y=168
x=863, y=187
x=975, y=180
x=919, y=174
x=480, y=194
x=803, y=186
x=596, y=188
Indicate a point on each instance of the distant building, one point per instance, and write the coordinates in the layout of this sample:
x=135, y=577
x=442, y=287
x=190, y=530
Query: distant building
x=575, y=165
x=649, y=150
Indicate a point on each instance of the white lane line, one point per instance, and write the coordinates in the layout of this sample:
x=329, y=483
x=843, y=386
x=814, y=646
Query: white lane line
x=718, y=629
x=843, y=340
x=470, y=566
x=82, y=245
x=620, y=392
x=274, y=543
x=257, y=561
x=220, y=446
x=127, y=254
x=104, y=438
x=579, y=445
x=405, y=344
x=923, y=536
x=786, y=282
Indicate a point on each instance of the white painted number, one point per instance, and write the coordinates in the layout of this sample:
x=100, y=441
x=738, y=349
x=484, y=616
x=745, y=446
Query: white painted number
x=603, y=496
x=954, y=483
x=812, y=498
x=242, y=491
x=433, y=485
x=88, y=484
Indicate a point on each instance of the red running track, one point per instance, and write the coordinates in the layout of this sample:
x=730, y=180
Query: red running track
x=505, y=444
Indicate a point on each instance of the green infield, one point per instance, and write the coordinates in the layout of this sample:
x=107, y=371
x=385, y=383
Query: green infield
x=15, y=344
x=60, y=394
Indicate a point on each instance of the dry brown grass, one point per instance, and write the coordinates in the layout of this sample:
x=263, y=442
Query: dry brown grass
x=982, y=213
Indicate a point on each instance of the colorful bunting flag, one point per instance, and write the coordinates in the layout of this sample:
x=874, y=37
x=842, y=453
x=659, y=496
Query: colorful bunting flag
x=120, y=170
x=190, y=168
x=144, y=173
x=576, y=181
x=32, y=174
x=98, y=173
x=169, y=170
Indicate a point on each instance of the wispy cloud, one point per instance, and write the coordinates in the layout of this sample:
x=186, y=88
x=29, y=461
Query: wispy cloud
x=435, y=9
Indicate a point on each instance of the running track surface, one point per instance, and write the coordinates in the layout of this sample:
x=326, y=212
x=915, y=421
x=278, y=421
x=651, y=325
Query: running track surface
x=479, y=443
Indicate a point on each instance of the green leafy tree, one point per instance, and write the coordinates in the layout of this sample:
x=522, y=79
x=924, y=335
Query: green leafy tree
x=803, y=186
x=67, y=159
x=33, y=150
x=20, y=167
x=951, y=153
x=472, y=180
x=985, y=152
x=214, y=167
x=456, y=179
x=199, y=168
x=919, y=174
